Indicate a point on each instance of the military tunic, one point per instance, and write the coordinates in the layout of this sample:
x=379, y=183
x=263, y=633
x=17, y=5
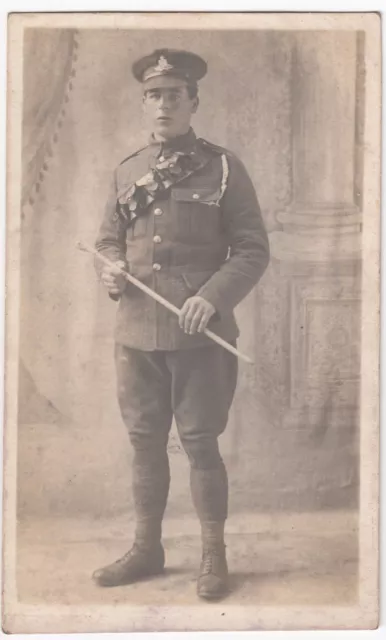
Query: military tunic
x=204, y=235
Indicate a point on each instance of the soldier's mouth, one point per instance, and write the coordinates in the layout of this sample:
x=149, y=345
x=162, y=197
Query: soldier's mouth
x=164, y=119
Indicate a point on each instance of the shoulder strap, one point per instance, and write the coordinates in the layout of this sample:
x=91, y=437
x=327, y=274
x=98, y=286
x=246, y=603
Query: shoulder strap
x=224, y=154
x=215, y=148
x=133, y=155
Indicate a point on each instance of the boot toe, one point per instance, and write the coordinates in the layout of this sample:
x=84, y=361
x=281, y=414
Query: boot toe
x=96, y=576
x=102, y=578
x=211, y=587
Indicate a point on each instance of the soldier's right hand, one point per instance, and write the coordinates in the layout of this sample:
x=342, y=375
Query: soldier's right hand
x=113, y=280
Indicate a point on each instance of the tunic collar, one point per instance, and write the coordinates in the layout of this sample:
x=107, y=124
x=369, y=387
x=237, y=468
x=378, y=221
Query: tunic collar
x=185, y=142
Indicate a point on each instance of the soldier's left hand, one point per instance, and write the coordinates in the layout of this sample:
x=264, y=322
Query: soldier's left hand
x=195, y=314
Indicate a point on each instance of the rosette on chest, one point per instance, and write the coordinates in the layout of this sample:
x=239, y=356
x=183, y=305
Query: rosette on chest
x=133, y=200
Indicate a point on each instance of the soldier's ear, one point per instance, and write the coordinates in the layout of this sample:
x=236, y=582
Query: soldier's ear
x=195, y=104
x=144, y=105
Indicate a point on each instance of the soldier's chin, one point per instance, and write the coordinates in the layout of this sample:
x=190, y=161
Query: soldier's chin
x=164, y=127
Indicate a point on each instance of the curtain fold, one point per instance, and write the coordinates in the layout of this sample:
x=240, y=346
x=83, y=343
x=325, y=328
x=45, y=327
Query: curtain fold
x=49, y=58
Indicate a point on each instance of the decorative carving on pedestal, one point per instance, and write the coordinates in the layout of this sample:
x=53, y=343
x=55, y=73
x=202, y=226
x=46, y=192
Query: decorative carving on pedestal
x=325, y=343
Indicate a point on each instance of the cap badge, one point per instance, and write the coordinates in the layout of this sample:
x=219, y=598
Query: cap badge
x=163, y=65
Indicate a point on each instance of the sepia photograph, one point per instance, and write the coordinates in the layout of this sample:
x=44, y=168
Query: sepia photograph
x=191, y=437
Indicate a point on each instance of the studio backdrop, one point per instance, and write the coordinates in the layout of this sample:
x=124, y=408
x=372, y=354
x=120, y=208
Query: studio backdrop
x=289, y=104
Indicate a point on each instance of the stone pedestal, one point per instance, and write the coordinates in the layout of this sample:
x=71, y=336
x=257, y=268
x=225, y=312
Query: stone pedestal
x=317, y=248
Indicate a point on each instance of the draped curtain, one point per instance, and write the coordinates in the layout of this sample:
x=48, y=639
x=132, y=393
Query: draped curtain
x=49, y=66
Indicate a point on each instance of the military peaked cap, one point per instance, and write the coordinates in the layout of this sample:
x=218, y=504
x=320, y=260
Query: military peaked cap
x=170, y=62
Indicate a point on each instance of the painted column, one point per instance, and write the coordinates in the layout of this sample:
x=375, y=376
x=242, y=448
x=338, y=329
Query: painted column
x=317, y=249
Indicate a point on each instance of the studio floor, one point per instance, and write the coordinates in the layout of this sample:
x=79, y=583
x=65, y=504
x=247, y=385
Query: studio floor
x=286, y=559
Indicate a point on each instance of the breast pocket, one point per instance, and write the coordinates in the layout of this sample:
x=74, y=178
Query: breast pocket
x=196, y=213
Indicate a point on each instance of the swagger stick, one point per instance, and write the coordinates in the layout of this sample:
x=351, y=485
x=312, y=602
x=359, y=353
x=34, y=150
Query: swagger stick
x=153, y=294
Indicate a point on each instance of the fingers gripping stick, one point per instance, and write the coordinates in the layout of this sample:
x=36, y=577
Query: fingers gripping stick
x=153, y=294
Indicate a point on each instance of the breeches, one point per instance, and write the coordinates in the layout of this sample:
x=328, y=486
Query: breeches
x=196, y=386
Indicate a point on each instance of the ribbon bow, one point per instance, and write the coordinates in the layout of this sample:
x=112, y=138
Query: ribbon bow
x=135, y=199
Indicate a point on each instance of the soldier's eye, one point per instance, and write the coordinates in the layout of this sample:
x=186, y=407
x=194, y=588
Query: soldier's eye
x=153, y=96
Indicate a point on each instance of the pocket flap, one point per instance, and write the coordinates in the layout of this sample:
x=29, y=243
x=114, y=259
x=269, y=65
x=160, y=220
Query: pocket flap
x=207, y=195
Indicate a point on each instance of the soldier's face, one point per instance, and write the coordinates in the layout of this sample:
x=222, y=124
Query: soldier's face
x=168, y=107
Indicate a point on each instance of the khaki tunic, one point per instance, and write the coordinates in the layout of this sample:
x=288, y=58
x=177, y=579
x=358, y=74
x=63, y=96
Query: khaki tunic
x=204, y=235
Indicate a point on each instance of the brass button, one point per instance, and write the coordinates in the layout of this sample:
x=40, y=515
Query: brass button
x=158, y=212
x=161, y=158
x=195, y=196
x=156, y=266
x=157, y=239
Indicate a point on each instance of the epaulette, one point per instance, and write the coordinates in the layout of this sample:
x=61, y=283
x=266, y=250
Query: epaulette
x=133, y=155
x=214, y=147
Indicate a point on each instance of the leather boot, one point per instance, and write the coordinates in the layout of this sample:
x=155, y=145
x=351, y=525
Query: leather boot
x=139, y=562
x=213, y=579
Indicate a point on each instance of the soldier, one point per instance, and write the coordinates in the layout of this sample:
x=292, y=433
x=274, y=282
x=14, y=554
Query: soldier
x=183, y=217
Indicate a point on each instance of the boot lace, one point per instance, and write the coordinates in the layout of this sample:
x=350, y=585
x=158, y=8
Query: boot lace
x=209, y=560
x=132, y=552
